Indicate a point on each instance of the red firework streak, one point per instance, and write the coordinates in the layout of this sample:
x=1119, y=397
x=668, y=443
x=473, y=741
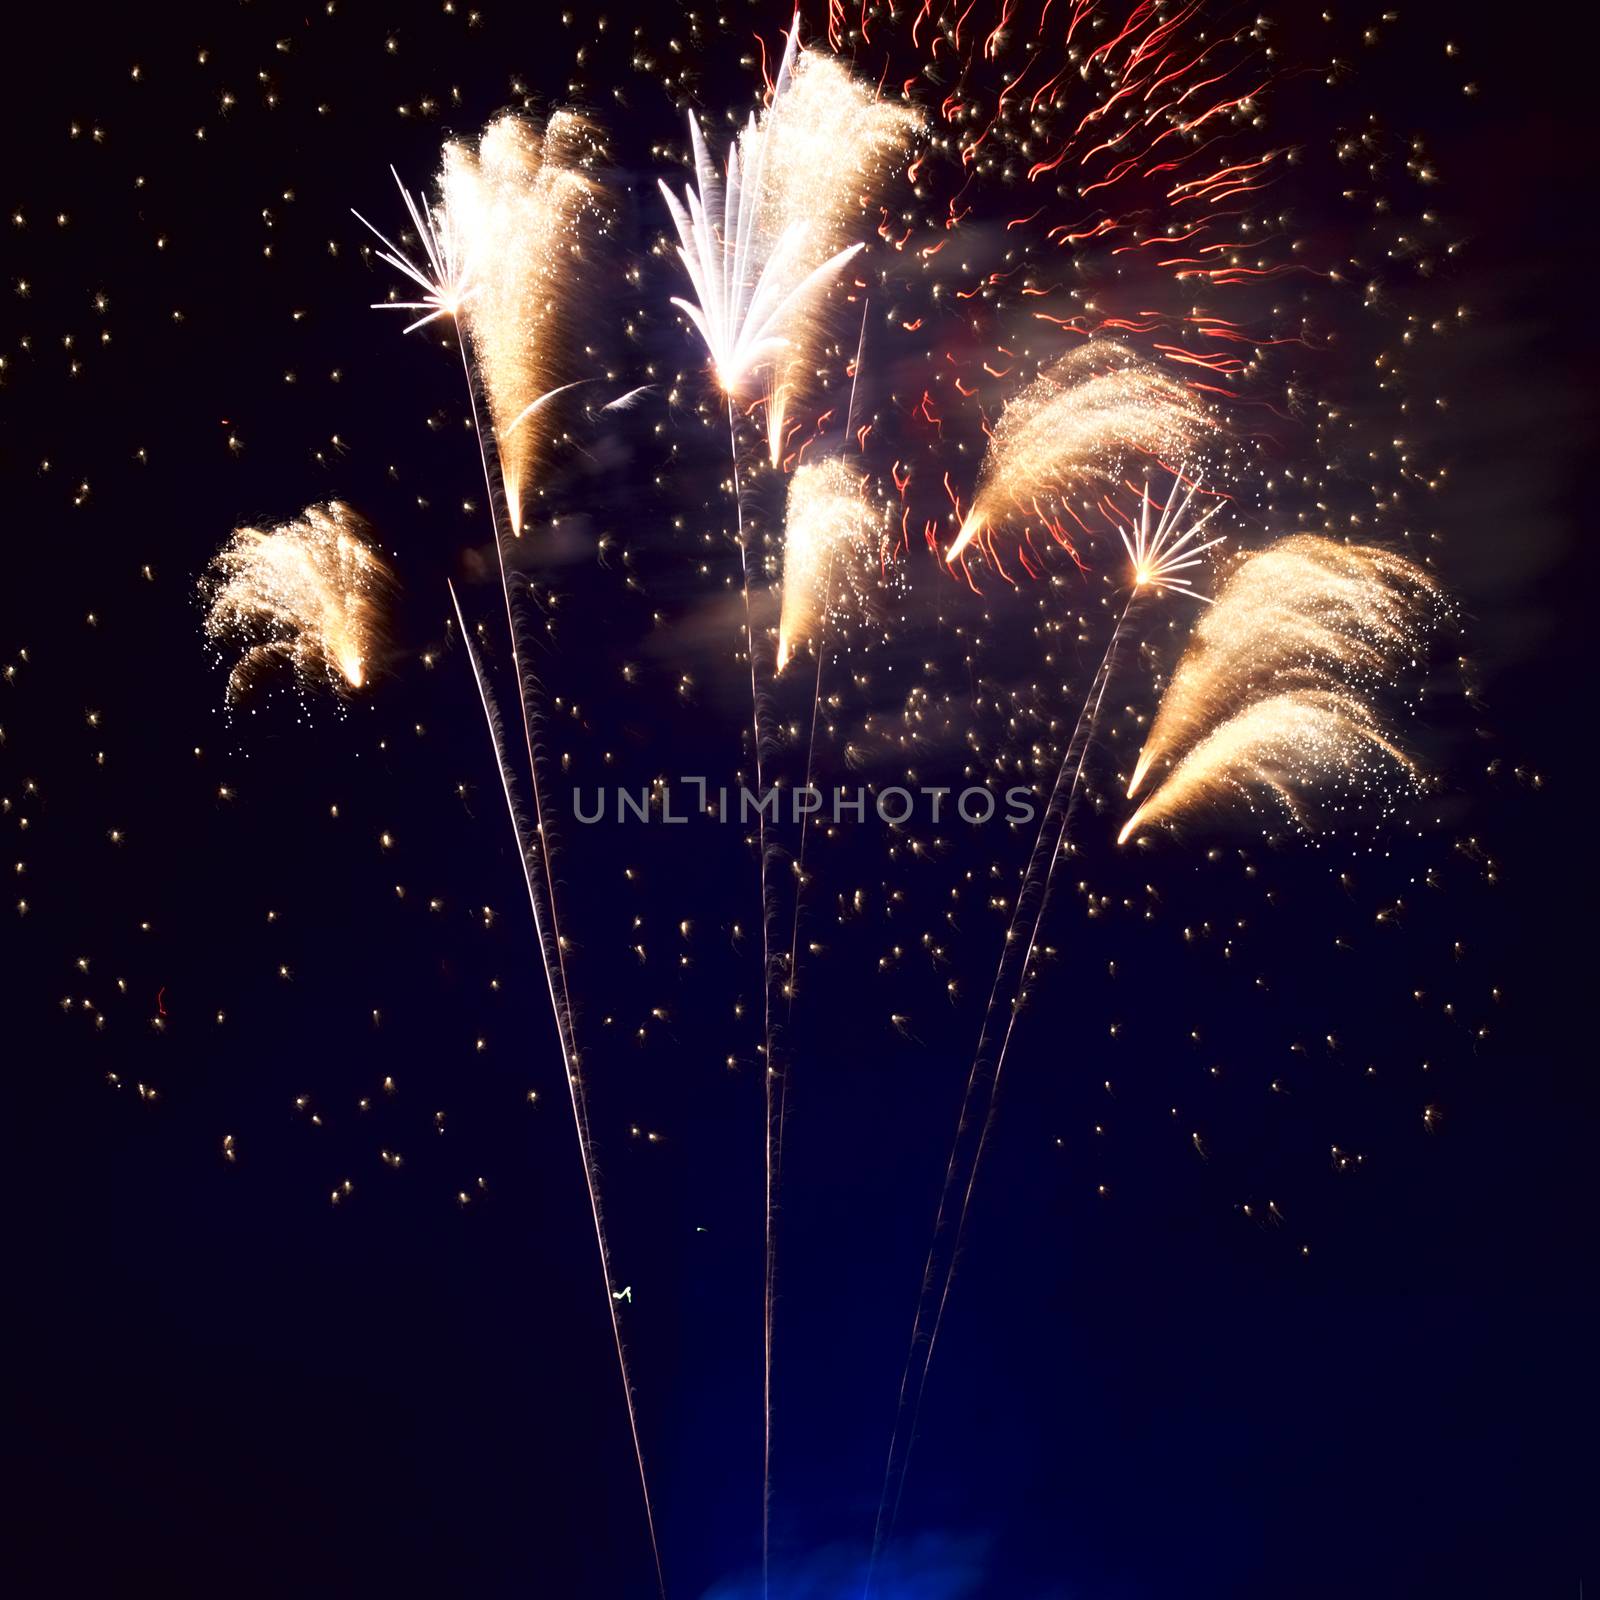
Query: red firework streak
x=1136, y=127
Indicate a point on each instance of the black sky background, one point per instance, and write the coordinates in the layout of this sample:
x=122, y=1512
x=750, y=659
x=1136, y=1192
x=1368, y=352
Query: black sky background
x=221, y=1383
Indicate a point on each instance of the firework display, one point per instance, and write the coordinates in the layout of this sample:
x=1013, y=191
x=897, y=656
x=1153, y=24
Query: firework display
x=941, y=513
x=1282, y=744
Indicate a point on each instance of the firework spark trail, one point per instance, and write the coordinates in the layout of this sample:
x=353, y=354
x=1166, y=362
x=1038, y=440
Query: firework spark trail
x=800, y=854
x=307, y=592
x=1157, y=558
x=828, y=513
x=811, y=747
x=525, y=707
x=732, y=366
x=1059, y=809
x=811, y=742
x=1079, y=421
x=512, y=242
x=767, y=1064
x=775, y=1124
x=758, y=253
x=791, y=971
x=775, y=1132
x=551, y=944
x=530, y=841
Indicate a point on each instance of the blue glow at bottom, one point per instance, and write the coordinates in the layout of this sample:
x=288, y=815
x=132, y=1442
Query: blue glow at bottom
x=930, y=1567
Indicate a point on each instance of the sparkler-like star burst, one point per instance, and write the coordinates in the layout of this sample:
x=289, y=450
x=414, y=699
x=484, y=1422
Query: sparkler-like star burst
x=442, y=276
x=1160, y=556
x=748, y=247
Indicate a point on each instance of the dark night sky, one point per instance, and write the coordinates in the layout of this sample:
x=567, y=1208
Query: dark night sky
x=222, y=1383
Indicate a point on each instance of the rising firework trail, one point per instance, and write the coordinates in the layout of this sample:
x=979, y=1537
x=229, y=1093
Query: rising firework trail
x=519, y=208
x=857, y=484
x=530, y=849
x=760, y=247
x=811, y=741
x=1157, y=557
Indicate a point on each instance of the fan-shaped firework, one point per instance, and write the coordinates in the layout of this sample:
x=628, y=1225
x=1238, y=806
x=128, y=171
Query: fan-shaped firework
x=761, y=245
x=522, y=208
x=1276, y=691
x=825, y=147
x=1306, y=613
x=1077, y=424
x=830, y=520
x=307, y=592
x=1283, y=748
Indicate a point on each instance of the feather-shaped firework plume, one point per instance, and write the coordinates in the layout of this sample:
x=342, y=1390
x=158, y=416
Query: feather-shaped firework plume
x=521, y=208
x=1275, y=693
x=1280, y=748
x=308, y=593
x=827, y=144
x=1076, y=424
x=1305, y=613
x=830, y=524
